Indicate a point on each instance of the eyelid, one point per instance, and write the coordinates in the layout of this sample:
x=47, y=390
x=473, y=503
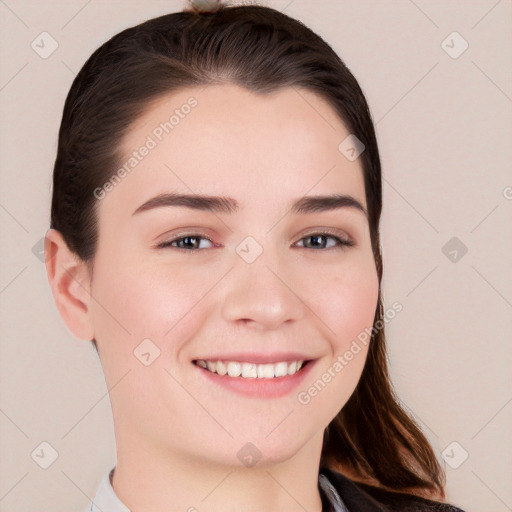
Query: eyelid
x=342, y=235
x=184, y=232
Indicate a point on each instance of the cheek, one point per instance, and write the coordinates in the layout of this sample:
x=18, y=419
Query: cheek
x=347, y=301
x=135, y=301
x=347, y=309
x=160, y=304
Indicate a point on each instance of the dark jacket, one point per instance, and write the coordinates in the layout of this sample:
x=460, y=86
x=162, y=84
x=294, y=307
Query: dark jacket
x=360, y=497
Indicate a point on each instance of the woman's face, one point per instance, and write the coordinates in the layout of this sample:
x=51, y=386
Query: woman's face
x=245, y=279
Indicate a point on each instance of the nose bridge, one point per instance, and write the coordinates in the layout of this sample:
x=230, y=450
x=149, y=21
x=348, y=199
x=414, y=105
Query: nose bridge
x=258, y=288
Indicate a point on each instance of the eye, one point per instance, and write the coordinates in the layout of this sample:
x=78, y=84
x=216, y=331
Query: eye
x=319, y=241
x=192, y=242
x=189, y=242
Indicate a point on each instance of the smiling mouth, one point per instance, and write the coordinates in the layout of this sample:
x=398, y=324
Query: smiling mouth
x=252, y=370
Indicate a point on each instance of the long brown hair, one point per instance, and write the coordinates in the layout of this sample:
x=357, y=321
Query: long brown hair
x=372, y=438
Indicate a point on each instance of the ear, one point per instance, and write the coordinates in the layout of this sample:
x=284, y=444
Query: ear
x=70, y=283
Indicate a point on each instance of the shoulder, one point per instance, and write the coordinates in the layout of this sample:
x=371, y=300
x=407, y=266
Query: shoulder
x=358, y=496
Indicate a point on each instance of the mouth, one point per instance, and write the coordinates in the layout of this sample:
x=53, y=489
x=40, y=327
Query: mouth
x=250, y=370
x=255, y=380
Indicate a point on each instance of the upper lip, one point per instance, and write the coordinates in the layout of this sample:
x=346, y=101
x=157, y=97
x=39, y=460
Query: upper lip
x=257, y=358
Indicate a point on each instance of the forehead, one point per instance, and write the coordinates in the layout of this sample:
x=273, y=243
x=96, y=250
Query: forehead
x=226, y=140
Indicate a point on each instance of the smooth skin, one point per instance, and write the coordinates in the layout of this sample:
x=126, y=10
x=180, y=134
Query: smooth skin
x=177, y=434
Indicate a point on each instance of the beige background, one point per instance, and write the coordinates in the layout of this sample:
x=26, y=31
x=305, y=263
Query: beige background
x=444, y=127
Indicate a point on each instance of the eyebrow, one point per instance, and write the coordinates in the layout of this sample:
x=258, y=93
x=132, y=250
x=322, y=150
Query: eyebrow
x=224, y=204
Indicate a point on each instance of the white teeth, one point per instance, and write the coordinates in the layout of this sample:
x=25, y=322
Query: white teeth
x=265, y=371
x=292, y=368
x=221, y=368
x=234, y=369
x=251, y=370
x=281, y=370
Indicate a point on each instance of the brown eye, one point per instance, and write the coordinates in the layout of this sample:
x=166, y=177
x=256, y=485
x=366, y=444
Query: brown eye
x=320, y=240
x=189, y=242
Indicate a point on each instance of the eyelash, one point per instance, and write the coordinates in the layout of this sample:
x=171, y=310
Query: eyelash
x=341, y=242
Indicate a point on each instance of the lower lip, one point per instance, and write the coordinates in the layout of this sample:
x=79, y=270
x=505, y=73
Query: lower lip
x=259, y=388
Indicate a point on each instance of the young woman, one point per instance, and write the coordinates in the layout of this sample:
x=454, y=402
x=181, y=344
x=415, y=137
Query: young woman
x=215, y=233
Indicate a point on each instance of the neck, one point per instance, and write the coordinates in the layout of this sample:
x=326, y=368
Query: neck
x=145, y=481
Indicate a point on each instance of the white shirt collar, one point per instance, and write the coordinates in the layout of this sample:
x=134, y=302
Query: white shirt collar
x=332, y=494
x=106, y=499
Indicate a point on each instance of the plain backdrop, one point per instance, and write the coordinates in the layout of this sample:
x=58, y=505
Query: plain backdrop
x=443, y=119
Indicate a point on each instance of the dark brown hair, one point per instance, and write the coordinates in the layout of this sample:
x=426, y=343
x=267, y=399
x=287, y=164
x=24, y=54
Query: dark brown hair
x=372, y=438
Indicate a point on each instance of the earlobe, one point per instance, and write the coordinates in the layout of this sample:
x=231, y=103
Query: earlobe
x=70, y=283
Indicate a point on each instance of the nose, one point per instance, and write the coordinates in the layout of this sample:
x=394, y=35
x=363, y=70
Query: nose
x=261, y=295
